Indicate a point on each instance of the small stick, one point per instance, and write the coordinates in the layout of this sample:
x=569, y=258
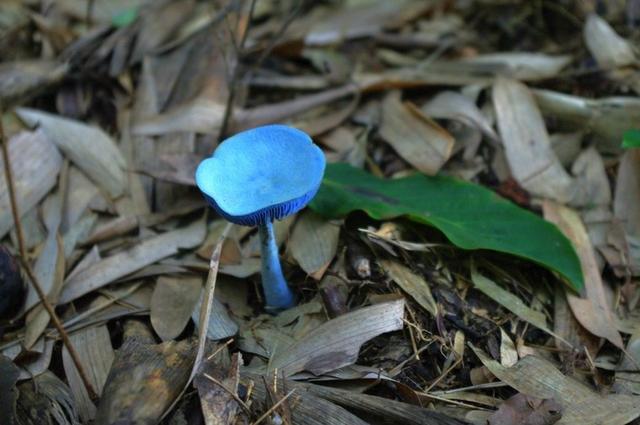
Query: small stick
x=32, y=278
x=231, y=393
x=8, y=175
x=274, y=407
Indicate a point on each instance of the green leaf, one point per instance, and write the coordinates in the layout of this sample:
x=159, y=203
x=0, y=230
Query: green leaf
x=471, y=216
x=125, y=17
x=631, y=139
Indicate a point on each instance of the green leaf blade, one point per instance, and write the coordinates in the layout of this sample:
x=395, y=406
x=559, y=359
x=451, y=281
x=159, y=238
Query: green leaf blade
x=631, y=139
x=471, y=216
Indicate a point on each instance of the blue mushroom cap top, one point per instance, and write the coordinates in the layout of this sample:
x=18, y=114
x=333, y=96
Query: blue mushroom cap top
x=262, y=174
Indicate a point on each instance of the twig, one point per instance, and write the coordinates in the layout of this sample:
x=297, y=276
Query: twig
x=8, y=175
x=274, y=407
x=219, y=349
x=32, y=277
x=231, y=393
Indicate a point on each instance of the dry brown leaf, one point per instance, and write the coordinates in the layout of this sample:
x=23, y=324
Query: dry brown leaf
x=538, y=378
x=90, y=148
x=219, y=406
x=145, y=378
x=35, y=163
x=172, y=302
x=626, y=206
x=452, y=105
x=594, y=311
x=608, y=117
x=418, y=140
x=21, y=80
x=521, y=66
x=607, y=47
x=524, y=410
x=414, y=285
x=125, y=262
x=359, y=20
x=508, y=352
x=336, y=343
x=314, y=243
x=93, y=345
x=527, y=145
x=49, y=270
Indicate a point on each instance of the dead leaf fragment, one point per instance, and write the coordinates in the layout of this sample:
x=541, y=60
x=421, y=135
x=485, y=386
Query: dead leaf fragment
x=418, y=139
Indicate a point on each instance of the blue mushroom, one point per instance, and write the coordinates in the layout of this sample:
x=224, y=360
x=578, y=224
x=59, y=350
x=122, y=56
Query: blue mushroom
x=258, y=176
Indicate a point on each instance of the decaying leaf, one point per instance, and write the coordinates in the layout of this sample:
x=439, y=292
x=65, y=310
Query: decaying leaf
x=418, y=140
x=538, y=378
x=607, y=47
x=8, y=393
x=314, y=243
x=90, y=148
x=35, y=163
x=145, y=378
x=172, y=302
x=216, y=384
x=19, y=81
x=93, y=346
x=527, y=144
x=626, y=205
x=125, y=262
x=46, y=401
x=523, y=410
x=414, y=285
x=510, y=301
x=607, y=117
x=594, y=311
x=336, y=343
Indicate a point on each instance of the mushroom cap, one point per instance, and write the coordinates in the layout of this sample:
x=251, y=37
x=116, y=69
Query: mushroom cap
x=262, y=174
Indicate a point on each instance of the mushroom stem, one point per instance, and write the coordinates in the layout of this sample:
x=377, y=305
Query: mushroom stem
x=277, y=294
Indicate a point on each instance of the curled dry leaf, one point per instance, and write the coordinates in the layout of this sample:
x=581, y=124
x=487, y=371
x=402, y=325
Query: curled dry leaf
x=336, y=343
x=90, y=148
